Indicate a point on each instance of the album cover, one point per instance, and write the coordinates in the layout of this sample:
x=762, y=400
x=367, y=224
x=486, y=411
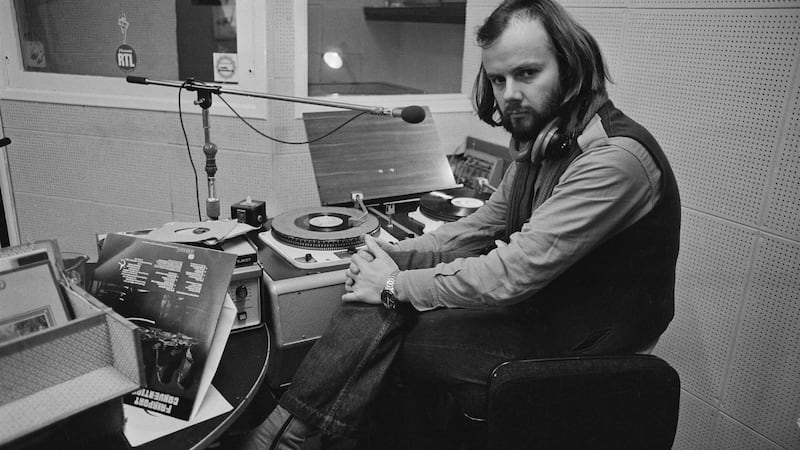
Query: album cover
x=176, y=294
x=30, y=297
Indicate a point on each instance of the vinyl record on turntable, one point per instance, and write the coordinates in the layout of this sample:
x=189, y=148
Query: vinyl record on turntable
x=450, y=207
x=328, y=228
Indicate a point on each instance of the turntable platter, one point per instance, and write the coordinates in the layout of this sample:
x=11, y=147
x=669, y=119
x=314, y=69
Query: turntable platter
x=325, y=228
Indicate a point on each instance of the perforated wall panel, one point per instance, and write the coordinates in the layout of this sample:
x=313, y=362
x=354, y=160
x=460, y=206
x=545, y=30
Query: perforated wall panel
x=296, y=184
x=280, y=67
x=783, y=208
x=731, y=434
x=764, y=386
x=65, y=166
x=160, y=127
x=282, y=39
x=606, y=26
x=729, y=4
x=711, y=280
x=245, y=174
x=695, y=419
x=712, y=86
x=74, y=223
x=598, y=4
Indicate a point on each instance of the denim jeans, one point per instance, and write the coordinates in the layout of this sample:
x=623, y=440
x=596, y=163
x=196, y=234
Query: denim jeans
x=335, y=387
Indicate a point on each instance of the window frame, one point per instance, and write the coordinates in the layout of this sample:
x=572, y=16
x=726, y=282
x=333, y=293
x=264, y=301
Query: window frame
x=90, y=90
x=437, y=103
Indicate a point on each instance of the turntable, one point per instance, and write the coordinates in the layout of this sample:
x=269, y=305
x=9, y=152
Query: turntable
x=320, y=237
x=384, y=164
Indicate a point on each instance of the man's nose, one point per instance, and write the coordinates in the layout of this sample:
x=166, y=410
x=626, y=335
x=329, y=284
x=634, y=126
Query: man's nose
x=512, y=92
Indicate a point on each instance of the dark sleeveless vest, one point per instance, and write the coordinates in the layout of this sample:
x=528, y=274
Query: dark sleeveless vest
x=620, y=297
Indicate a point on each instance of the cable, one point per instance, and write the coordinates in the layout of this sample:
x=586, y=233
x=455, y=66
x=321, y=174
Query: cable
x=189, y=150
x=289, y=142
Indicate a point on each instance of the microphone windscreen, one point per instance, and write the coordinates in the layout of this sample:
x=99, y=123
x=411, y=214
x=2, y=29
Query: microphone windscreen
x=413, y=114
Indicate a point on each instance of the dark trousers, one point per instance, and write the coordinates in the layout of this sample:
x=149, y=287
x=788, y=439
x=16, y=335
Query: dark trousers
x=336, y=386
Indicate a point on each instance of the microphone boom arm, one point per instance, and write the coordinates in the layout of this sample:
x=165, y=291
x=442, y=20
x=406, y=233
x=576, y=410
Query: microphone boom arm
x=411, y=114
x=193, y=85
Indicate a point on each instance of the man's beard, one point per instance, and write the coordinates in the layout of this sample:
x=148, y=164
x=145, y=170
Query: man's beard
x=529, y=121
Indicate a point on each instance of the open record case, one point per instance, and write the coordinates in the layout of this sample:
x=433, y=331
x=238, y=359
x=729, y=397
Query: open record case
x=51, y=375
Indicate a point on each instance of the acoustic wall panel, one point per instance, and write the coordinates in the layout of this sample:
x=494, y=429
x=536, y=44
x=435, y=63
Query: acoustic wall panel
x=729, y=4
x=710, y=287
x=79, y=221
x=152, y=126
x=143, y=127
x=694, y=420
x=283, y=122
x=783, y=207
x=597, y=4
x=294, y=183
x=763, y=390
x=65, y=166
x=711, y=85
x=281, y=32
x=245, y=174
x=228, y=133
x=730, y=434
x=281, y=36
x=607, y=26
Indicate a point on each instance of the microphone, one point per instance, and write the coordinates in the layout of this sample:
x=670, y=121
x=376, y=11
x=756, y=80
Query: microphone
x=410, y=114
x=5, y=141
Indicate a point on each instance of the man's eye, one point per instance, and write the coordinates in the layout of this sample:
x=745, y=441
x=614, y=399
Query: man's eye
x=497, y=81
x=527, y=73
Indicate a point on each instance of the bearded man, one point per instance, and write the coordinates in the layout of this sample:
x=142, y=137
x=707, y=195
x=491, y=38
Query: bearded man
x=574, y=254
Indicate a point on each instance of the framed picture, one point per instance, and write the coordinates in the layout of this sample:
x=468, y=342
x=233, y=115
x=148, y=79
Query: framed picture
x=30, y=298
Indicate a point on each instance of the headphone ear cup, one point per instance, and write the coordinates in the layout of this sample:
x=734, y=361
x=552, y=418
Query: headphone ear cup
x=547, y=141
x=553, y=143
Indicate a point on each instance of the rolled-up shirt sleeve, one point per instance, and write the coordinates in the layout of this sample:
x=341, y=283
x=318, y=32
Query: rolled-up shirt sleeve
x=601, y=193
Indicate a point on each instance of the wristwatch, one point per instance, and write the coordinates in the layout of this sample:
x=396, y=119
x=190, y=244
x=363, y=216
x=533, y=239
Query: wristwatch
x=387, y=294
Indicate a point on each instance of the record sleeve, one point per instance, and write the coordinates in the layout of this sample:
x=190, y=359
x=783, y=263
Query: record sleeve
x=176, y=293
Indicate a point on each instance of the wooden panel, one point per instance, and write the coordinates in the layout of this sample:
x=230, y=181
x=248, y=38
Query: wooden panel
x=377, y=155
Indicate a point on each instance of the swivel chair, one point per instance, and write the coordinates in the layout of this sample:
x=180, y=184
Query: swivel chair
x=596, y=402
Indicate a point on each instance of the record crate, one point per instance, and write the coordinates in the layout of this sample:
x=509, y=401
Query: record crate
x=52, y=375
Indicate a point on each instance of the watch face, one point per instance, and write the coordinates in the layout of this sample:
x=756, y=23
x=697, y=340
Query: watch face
x=387, y=298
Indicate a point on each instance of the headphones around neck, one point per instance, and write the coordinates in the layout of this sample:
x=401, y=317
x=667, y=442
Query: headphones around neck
x=548, y=141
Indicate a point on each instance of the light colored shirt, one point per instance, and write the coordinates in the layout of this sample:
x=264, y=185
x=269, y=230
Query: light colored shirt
x=613, y=183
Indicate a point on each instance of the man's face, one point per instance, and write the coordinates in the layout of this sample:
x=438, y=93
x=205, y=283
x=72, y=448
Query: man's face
x=525, y=78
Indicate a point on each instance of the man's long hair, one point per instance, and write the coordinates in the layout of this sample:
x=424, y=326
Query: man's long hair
x=580, y=63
